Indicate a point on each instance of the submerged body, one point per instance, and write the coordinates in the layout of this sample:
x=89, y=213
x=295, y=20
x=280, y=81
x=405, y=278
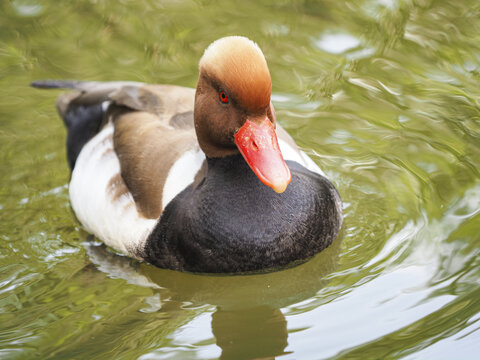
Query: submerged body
x=161, y=174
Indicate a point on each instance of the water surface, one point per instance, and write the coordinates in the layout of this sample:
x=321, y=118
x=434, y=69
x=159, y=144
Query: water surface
x=383, y=95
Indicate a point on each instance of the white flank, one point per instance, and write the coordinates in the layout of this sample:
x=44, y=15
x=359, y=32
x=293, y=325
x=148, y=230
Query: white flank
x=299, y=156
x=114, y=221
x=182, y=174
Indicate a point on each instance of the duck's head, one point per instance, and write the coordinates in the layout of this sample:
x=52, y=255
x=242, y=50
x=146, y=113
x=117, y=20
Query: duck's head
x=233, y=112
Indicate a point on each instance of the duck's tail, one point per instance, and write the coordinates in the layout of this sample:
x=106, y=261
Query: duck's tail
x=55, y=84
x=82, y=110
x=87, y=93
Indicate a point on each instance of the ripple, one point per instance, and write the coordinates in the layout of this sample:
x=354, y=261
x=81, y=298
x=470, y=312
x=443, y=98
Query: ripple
x=27, y=8
x=337, y=43
x=383, y=95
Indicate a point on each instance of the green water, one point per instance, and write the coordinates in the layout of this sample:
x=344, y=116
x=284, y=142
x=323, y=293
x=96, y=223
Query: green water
x=384, y=95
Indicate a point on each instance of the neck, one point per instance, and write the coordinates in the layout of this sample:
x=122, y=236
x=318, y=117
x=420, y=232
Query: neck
x=230, y=167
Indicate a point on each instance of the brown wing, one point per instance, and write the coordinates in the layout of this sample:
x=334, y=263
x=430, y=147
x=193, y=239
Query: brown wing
x=147, y=150
x=153, y=131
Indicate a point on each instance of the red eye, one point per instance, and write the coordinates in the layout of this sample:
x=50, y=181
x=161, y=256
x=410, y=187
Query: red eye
x=223, y=97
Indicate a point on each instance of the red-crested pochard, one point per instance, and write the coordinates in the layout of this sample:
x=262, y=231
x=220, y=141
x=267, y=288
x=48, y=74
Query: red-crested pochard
x=195, y=180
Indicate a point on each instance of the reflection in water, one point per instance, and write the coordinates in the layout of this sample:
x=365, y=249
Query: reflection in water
x=257, y=333
x=247, y=323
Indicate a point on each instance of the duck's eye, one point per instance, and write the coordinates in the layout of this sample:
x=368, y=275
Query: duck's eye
x=223, y=97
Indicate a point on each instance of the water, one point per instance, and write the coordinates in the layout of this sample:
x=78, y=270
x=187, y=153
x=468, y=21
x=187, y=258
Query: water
x=382, y=94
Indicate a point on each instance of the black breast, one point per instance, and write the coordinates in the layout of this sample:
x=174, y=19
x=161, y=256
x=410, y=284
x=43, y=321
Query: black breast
x=231, y=222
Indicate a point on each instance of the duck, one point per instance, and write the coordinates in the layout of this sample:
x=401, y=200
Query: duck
x=197, y=180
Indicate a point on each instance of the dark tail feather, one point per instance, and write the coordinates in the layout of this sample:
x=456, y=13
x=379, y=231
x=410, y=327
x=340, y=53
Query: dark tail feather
x=83, y=120
x=55, y=84
x=82, y=111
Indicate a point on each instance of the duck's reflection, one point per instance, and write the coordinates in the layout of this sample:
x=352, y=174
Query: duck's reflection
x=248, y=322
x=258, y=333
